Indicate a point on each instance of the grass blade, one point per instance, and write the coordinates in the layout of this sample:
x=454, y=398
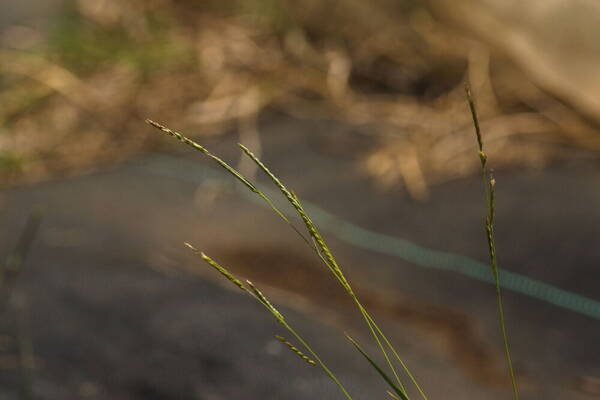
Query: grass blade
x=386, y=378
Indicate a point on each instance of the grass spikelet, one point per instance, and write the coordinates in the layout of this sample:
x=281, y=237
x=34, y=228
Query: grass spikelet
x=316, y=243
x=203, y=149
x=223, y=271
x=229, y=169
x=295, y=350
x=329, y=260
x=310, y=226
x=280, y=318
x=263, y=299
x=489, y=183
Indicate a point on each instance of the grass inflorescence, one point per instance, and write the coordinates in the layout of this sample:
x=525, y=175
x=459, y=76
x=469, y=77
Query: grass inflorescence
x=318, y=245
x=489, y=183
x=254, y=292
x=295, y=350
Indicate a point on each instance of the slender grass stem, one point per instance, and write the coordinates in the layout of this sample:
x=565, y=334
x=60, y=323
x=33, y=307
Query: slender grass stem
x=26, y=353
x=318, y=360
x=10, y=269
x=489, y=184
x=328, y=259
x=317, y=244
x=395, y=353
x=251, y=186
x=279, y=317
x=262, y=299
x=375, y=333
x=371, y=324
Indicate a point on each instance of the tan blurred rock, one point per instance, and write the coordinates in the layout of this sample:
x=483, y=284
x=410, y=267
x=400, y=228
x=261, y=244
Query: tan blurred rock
x=554, y=42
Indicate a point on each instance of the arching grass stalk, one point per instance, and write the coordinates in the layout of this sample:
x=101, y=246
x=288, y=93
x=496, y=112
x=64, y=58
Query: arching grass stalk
x=317, y=244
x=236, y=174
x=329, y=260
x=253, y=291
x=489, y=184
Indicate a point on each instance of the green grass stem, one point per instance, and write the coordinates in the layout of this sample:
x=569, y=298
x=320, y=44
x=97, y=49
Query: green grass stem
x=236, y=174
x=317, y=244
x=329, y=260
x=490, y=195
x=253, y=291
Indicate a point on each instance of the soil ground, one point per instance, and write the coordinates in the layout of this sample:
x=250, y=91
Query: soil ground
x=117, y=308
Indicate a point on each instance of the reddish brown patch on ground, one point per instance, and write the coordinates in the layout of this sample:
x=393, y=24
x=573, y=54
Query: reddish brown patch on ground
x=299, y=282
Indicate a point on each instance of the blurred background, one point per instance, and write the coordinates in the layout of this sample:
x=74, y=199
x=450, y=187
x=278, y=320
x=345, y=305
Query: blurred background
x=360, y=108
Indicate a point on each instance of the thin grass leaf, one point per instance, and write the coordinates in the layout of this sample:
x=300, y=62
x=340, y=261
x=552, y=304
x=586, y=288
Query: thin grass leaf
x=386, y=378
x=396, y=355
x=392, y=395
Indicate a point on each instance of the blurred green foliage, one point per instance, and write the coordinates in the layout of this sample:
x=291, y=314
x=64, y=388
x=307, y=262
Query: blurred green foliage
x=10, y=161
x=84, y=46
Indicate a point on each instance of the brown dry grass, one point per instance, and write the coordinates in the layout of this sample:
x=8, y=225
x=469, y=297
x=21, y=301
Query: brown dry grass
x=388, y=67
